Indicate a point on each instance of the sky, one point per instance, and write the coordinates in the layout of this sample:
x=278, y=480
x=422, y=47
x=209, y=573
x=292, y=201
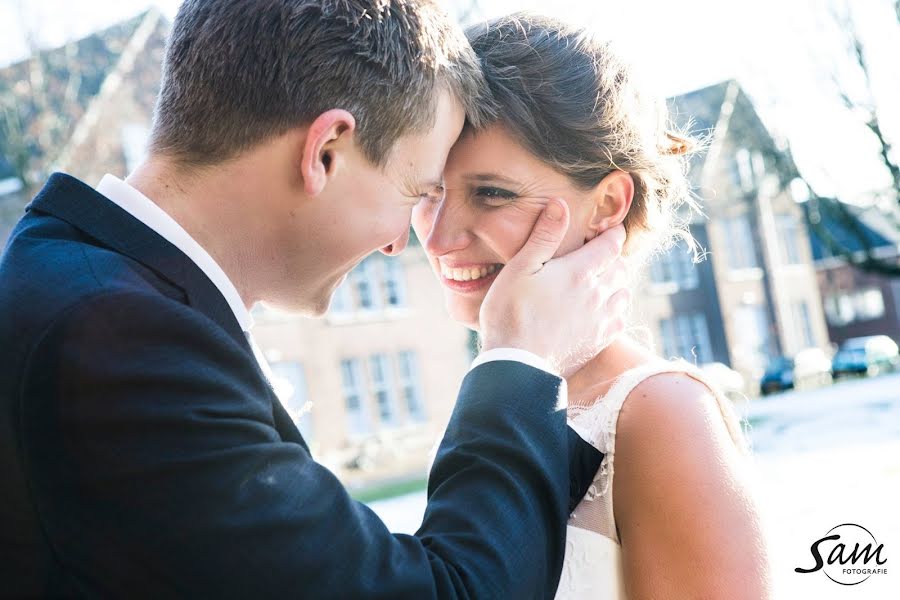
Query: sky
x=783, y=52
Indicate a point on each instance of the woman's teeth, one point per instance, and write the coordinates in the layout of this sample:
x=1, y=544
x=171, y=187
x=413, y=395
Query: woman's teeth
x=468, y=274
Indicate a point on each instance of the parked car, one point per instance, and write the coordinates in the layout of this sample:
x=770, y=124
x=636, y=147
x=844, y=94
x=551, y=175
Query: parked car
x=867, y=355
x=810, y=367
x=730, y=381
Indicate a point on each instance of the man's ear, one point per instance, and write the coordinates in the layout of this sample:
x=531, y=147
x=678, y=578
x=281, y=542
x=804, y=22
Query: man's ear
x=327, y=136
x=611, y=201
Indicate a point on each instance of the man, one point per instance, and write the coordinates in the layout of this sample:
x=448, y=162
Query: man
x=144, y=452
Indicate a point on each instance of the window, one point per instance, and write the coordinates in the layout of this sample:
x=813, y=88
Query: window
x=739, y=245
x=856, y=305
x=382, y=388
x=802, y=324
x=747, y=169
x=838, y=309
x=788, y=235
x=869, y=304
x=759, y=165
x=686, y=336
x=410, y=387
x=375, y=284
x=358, y=421
x=394, y=288
x=366, y=284
x=676, y=266
x=742, y=173
x=289, y=381
x=341, y=302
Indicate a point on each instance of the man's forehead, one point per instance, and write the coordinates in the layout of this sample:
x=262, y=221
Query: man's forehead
x=421, y=156
x=420, y=167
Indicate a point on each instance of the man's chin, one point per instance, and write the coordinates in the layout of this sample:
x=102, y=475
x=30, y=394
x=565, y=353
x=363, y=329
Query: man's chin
x=306, y=307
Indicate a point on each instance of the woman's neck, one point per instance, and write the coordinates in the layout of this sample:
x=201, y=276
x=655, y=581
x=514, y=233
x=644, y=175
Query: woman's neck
x=595, y=378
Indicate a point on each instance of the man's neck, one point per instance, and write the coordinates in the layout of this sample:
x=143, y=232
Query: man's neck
x=205, y=207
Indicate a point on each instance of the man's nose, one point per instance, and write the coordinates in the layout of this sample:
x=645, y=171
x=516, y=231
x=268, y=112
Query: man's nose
x=398, y=245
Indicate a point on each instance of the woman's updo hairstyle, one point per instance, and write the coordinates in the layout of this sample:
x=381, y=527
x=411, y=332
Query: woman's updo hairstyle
x=574, y=104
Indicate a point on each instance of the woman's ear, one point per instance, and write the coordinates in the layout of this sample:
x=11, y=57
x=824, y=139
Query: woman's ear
x=324, y=140
x=610, y=202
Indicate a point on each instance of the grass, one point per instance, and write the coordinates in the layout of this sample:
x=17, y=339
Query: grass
x=390, y=489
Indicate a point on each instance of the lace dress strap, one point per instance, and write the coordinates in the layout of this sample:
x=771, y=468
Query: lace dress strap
x=597, y=424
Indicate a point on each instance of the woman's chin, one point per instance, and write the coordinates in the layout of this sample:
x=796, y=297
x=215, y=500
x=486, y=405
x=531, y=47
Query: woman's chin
x=465, y=313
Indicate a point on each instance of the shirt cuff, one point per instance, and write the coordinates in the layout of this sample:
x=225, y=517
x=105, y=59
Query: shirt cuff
x=514, y=354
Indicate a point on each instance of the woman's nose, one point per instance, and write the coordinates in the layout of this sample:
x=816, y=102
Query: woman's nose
x=449, y=230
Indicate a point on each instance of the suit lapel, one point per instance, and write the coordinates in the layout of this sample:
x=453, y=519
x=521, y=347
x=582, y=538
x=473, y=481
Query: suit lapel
x=83, y=207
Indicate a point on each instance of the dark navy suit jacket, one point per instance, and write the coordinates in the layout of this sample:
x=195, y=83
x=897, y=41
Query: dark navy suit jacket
x=143, y=453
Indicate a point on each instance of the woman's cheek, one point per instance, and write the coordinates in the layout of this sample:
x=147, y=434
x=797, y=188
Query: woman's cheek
x=510, y=229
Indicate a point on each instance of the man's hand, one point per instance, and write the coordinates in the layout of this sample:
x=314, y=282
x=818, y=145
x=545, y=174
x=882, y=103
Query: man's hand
x=566, y=309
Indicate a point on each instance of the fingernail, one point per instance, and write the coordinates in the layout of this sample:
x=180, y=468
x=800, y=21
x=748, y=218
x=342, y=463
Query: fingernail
x=554, y=210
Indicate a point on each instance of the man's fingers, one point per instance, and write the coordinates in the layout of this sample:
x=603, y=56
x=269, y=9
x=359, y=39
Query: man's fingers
x=618, y=303
x=545, y=238
x=615, y=328
x=616, y=275
x=597, y=255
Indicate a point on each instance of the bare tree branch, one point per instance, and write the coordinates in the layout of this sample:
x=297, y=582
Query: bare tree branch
x=862, y=102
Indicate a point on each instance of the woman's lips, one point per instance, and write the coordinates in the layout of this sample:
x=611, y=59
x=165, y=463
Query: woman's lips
x=460, y=279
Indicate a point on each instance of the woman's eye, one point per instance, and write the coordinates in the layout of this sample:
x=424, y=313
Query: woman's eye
x=494, y=193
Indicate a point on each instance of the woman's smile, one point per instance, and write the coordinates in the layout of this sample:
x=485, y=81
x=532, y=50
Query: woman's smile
x=467, y=278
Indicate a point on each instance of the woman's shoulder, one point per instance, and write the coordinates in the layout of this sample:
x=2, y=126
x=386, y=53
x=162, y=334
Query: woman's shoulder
x=676, y=434
x=680, y=398
x=671, y=397
x=676, y=403
x=683, y=476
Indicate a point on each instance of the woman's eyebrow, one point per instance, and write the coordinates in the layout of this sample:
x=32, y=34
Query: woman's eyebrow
x=489, y=177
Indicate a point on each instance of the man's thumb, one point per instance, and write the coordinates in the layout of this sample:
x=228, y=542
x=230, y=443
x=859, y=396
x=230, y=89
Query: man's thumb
x=545, y=238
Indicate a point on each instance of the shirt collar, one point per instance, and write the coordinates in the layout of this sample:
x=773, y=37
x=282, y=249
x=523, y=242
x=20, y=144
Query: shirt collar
x=150, y=214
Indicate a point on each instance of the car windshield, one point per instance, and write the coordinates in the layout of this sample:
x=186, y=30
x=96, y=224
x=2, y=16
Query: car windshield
x=779, y=364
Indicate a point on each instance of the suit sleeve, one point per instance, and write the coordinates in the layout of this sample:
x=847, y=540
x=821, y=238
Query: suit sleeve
x=157, y=471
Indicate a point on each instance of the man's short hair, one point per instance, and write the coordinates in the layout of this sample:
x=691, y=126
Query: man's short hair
x=239, y=72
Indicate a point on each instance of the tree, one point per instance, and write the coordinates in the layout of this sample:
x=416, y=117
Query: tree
x=863, y=102
x=32, y=93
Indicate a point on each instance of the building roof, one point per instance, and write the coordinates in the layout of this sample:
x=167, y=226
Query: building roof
x=704, y=114
x=72, y=76
x=698, y=111
x=851, y=226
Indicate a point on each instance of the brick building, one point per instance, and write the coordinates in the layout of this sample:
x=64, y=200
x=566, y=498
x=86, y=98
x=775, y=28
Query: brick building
x=857, y=302
x=755, y=296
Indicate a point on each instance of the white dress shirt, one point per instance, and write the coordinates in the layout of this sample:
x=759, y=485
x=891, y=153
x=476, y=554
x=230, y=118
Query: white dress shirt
x=147, y=212
x=150, y=214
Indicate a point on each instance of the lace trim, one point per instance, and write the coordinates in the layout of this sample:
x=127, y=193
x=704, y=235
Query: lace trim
x=598, y=421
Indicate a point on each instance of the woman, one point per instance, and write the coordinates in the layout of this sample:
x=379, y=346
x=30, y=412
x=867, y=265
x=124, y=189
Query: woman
x=669, y=514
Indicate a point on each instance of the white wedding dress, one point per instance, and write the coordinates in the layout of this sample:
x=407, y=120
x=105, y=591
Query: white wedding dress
x=592, y=569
